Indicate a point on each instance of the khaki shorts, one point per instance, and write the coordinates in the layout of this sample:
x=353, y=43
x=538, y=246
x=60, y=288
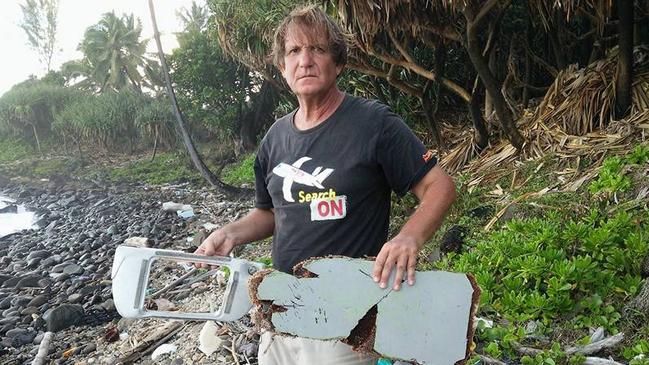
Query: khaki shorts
x=281, y=350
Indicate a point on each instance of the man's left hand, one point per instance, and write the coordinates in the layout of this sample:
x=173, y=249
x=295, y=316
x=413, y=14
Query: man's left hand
x=400, y=252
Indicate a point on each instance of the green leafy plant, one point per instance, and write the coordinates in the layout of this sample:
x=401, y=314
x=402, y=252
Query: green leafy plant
x=611, y=179
x=550, y=357
x=612, y=176
x=544, y=269
x=638, y=354
x=639, y=155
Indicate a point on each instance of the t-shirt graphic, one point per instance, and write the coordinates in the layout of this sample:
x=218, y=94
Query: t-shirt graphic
x=293, y=173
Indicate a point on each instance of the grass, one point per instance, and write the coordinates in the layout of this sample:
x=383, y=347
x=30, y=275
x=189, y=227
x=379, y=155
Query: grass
x=241, y=173
x=167, y=167
x=19, y=158
x=14, y=149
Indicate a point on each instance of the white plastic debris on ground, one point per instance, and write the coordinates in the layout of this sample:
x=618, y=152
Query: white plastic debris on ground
x=184, y=211
x=163, y=349
x=174, y=207
x=209, y=339
x=137, y=241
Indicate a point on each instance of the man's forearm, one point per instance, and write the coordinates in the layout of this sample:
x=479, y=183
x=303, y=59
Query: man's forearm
x=256, y=225
x=435, y=200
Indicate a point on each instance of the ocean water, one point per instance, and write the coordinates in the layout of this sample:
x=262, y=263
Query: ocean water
x=14, y=222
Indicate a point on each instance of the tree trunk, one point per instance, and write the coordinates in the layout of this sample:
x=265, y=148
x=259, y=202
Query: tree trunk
x=259, y=117
x=429, y=111
x=187, y=140
x=430, y=103
x=155, y=142
x=481, y=133
x=528, y=64
x=38, y=142
x=555, y=41
x=625, y=59
x=491, y=84
x=488, y=100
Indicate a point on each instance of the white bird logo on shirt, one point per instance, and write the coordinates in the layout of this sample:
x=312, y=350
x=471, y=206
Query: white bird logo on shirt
x=292, y=173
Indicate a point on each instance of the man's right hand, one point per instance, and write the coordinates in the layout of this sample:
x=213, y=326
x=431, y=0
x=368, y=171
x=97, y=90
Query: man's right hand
x=256, y=225
x=218, y=243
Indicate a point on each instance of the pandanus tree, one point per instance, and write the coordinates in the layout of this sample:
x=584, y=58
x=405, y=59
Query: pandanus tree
x=407, y=43
x=497, y=53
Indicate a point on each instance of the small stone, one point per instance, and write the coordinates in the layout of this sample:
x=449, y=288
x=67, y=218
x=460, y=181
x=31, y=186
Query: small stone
x=18, y=337
x=124, y=323
x=21, y=300
x=29, y=311
x=10, y=283
x=62, y=277
x=108, y=305
x=112, y=230
x=91, y=347
x=38, y=254
x=5, y=303
x=249, y=349
x=59, y=267
x=28, y=281
x=4, y=278
x=49, y=261
x=9, y=321
x=111, y=334
x=73, y=269
x=75, y=298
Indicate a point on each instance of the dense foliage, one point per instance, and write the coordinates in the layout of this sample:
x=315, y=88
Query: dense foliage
x=561, y=272
x=28, y=109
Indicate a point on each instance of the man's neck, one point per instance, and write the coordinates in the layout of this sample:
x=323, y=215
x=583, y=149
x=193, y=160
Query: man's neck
x=313, y=111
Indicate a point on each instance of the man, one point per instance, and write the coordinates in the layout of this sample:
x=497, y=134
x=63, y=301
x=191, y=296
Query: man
x=324, y=174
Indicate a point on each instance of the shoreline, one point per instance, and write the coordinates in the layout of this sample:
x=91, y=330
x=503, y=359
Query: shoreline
x=64, y=267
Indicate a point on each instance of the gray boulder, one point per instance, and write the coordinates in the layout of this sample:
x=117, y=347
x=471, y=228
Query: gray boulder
x=64, y=316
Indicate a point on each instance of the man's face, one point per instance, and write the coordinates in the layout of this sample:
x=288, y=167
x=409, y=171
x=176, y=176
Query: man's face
x=309, y=68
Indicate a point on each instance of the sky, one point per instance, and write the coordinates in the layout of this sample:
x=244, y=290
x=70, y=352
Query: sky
x=18, y=60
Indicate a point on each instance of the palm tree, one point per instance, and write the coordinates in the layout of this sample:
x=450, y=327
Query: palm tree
x=113, y=52
x=194, y=19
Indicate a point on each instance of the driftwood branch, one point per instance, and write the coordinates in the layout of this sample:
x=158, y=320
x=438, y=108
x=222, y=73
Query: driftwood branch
x=524, y=350
x=234, y=353
x=595, y=347
x=174, y=284
x=487, y=360
x=600, y=361
x=589, y=349
x=43, y=349
x=150, y=343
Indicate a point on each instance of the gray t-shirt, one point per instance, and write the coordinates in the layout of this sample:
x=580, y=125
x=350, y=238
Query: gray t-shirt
x=330, y=185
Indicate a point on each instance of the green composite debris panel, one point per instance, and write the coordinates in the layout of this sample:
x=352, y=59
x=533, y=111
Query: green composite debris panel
x=428, y=322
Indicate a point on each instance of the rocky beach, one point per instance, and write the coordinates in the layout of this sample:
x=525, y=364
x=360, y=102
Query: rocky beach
x=58, y=278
